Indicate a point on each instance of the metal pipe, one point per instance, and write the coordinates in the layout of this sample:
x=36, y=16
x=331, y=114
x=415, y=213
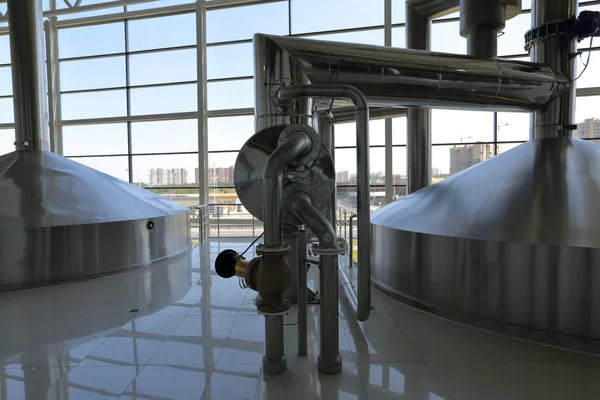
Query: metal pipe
x=302, y=293
x=348, y=113
x=418, y=121
x=346, y=286
x=273, y=180
x=28, y=74
x=326, y=132
x=351, y=241
x=362, y=179
x=434, y=8
x=392, y=76
x=483, y=43
x=301, y=205
x=274, y=360
x=329, y=360
x=555, y=120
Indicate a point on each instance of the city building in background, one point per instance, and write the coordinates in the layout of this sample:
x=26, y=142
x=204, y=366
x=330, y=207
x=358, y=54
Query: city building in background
x=221, y=176
x=342, y=177
x=466, y=155
x=168, y=177
x=588, y=129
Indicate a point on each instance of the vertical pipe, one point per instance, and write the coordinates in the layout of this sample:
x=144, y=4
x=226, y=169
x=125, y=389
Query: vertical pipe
x=53, y=73
x=28, y=74
x=202, y=112
x=556, y=119
x=418, y=129
x=128, y=102
x=290, y=237
x=326, y=132
x=302, y=293
x=483, y=43
x=389, y=151
x=329, y=361
x=274, y=360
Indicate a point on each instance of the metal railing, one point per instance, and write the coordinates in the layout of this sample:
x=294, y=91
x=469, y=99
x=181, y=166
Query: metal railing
x=345, y=228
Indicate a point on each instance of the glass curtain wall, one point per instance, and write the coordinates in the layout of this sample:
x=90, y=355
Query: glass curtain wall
x=128, y=95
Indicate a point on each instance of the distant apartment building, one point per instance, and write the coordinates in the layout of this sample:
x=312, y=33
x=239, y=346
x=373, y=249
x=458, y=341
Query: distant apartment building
x=220, y=176
x=168, y=177
x=590, y=128
x=467, y=155
x=342, y=177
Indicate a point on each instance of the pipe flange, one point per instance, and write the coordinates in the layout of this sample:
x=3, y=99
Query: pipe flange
x=329, y=251
x=262, y=250
x=314, y=137
x=269, y=312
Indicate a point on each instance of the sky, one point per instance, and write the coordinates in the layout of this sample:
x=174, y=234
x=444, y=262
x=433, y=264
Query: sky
x=233, y=61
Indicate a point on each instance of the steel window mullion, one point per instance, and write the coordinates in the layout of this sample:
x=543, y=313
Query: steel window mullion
x=129, y=86
x=128, y=97
x=131, y=53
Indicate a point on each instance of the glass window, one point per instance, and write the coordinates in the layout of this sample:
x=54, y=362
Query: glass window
x=590, y=77
x=512, y=41
x=110, y=103
x=513, y=126
x=89, y=140
x=229, y=133
x=165, y=170
x=322, y=15
x=448, y=160
x=399, y=130
x=399, y=165
x=157, y=4
x=586, y=107
x=377, y=165
x=95, y=73
x=230, y=94
x=91, y=40
x=230, y=61
x=374, y=36
x=453, y=126
x=445, y=38
x=162, y=32
x=7, y=141
x=222, y=164
x=345, y=161
x=93, y=13
x=399, y=37
x=4, y=49
x=164, y=136
x=163, y=67
x=115, y=166
x=345, y=133
x=5, y=81
x=238, y=23
x=7, y=115
x=398, y=11
x=164, y=99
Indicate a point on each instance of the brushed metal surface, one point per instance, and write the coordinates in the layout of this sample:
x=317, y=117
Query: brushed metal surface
x=392, y=76
x=545, y=288
x=43, y=189
x=249, y=167
x=544, y=191
x=46, y=255
x=60, y=220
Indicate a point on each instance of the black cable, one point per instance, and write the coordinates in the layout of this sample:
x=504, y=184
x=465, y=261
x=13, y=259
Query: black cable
x=587, y=61
x=252, y=244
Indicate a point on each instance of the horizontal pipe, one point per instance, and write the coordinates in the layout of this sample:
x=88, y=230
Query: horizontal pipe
x=336, y=91
x=434, y=8
x=348, y=113
x=400, y=77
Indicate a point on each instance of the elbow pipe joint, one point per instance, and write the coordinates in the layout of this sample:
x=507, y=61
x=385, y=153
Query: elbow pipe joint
x=295, y=146
x=300, y=204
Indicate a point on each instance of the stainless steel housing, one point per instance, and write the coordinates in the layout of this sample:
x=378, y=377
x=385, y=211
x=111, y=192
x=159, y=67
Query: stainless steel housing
x=60, y=220
x=512, y=242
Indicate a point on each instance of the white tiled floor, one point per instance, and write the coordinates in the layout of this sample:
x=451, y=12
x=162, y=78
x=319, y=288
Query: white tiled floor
x=197, y=336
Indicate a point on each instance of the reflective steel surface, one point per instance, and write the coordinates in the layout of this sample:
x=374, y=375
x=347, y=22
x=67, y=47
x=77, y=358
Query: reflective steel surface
x=249, y=167
x=544, y=191
x=513, y=241
x=391, y=76
x=60, y=220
